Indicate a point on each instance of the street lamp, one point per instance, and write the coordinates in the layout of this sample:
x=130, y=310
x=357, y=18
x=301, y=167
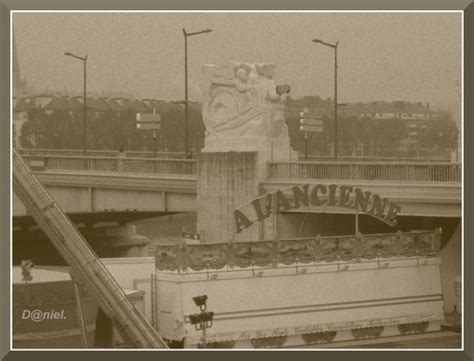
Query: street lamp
x=84, y=59
x=334, y=46
x=202, y=321
x=186, y=35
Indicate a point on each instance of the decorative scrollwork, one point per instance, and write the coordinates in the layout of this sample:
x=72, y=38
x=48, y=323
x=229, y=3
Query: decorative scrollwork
x=289, y=251
x=166, y=258
x=416, y=327
x=319, y=337
x=206, y=256
x=268, y=342
x=346, y=248
x=258, y=253
x=218, y=344
x=329, y=250
x=367, y=332
x=292, y=251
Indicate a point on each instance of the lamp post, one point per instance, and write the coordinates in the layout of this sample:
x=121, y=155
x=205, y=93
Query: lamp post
x=202, y=321
x=186, y=35
x=84, y=59
x=334, y=46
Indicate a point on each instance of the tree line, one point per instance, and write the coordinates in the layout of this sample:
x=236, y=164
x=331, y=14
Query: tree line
x=108, y=130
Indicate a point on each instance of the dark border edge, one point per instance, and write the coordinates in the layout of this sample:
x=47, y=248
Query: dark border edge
x=7, y=6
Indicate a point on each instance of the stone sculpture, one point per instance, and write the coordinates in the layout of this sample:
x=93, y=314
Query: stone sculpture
x=242, y=110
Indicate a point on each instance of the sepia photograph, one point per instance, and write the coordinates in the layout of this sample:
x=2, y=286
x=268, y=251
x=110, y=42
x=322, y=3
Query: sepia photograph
x=236, y=180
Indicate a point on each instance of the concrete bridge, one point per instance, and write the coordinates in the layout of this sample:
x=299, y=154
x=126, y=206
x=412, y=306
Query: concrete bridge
x=128, y=188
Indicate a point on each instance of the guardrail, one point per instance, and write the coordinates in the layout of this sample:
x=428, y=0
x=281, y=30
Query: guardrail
x=100, y=153
x=112, y=164
x=367, y=171
x=419, y=172
x=314, y=158
x=147, y=154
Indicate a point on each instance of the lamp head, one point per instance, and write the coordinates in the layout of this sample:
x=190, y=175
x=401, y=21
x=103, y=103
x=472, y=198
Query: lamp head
x=203, y=317
x=200, y=301
x=195, y=319
x=67, y=53
x=316, y=41
x=207, y=31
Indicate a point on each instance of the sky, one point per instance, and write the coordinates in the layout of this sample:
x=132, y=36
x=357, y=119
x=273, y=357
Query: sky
x=381, y=56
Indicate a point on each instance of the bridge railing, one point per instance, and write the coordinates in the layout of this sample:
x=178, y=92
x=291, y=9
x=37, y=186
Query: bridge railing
x=321, y=158
x=403, y=171
x=112, y=164
x=148, y=154
x=100, y=153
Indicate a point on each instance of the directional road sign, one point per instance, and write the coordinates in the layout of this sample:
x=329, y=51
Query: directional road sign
x=148, y=118
x=190, y=235
x=311, y=121
x=148, y=121
x=146, y=126
x=311, y=128
x=308, y=115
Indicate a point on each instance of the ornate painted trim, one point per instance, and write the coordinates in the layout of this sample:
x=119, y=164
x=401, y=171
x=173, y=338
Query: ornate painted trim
x=181, y=256
x=174, y=343
x=367, y=332
x=416, y=327
x=218, y=344
x=319, y=337
x=268, y=342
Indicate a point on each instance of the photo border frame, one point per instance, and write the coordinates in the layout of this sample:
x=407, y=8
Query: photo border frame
x=6, y=6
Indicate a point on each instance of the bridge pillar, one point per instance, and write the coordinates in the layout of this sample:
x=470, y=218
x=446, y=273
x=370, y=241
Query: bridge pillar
x=117, y=241
x=225, y=181
x=245, y=129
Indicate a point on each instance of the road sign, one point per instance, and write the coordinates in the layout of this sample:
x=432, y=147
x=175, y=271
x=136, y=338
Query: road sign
x=311, y=128
x=148, y=118
x=311, y=113
x=148, y=121
x=190, y=235
x=308, y=115
x=310, y=121
x=146, y=126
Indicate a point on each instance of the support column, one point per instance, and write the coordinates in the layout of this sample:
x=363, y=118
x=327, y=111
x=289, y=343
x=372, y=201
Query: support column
x=226, y=181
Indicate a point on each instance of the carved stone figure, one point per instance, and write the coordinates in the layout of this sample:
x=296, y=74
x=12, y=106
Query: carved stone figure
x=242, y=110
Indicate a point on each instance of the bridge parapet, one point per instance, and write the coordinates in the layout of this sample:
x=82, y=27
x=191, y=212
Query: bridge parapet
x=327, y=158
x=111, y=164
x=100, y=153
x=323, y=170
x=367, y=171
